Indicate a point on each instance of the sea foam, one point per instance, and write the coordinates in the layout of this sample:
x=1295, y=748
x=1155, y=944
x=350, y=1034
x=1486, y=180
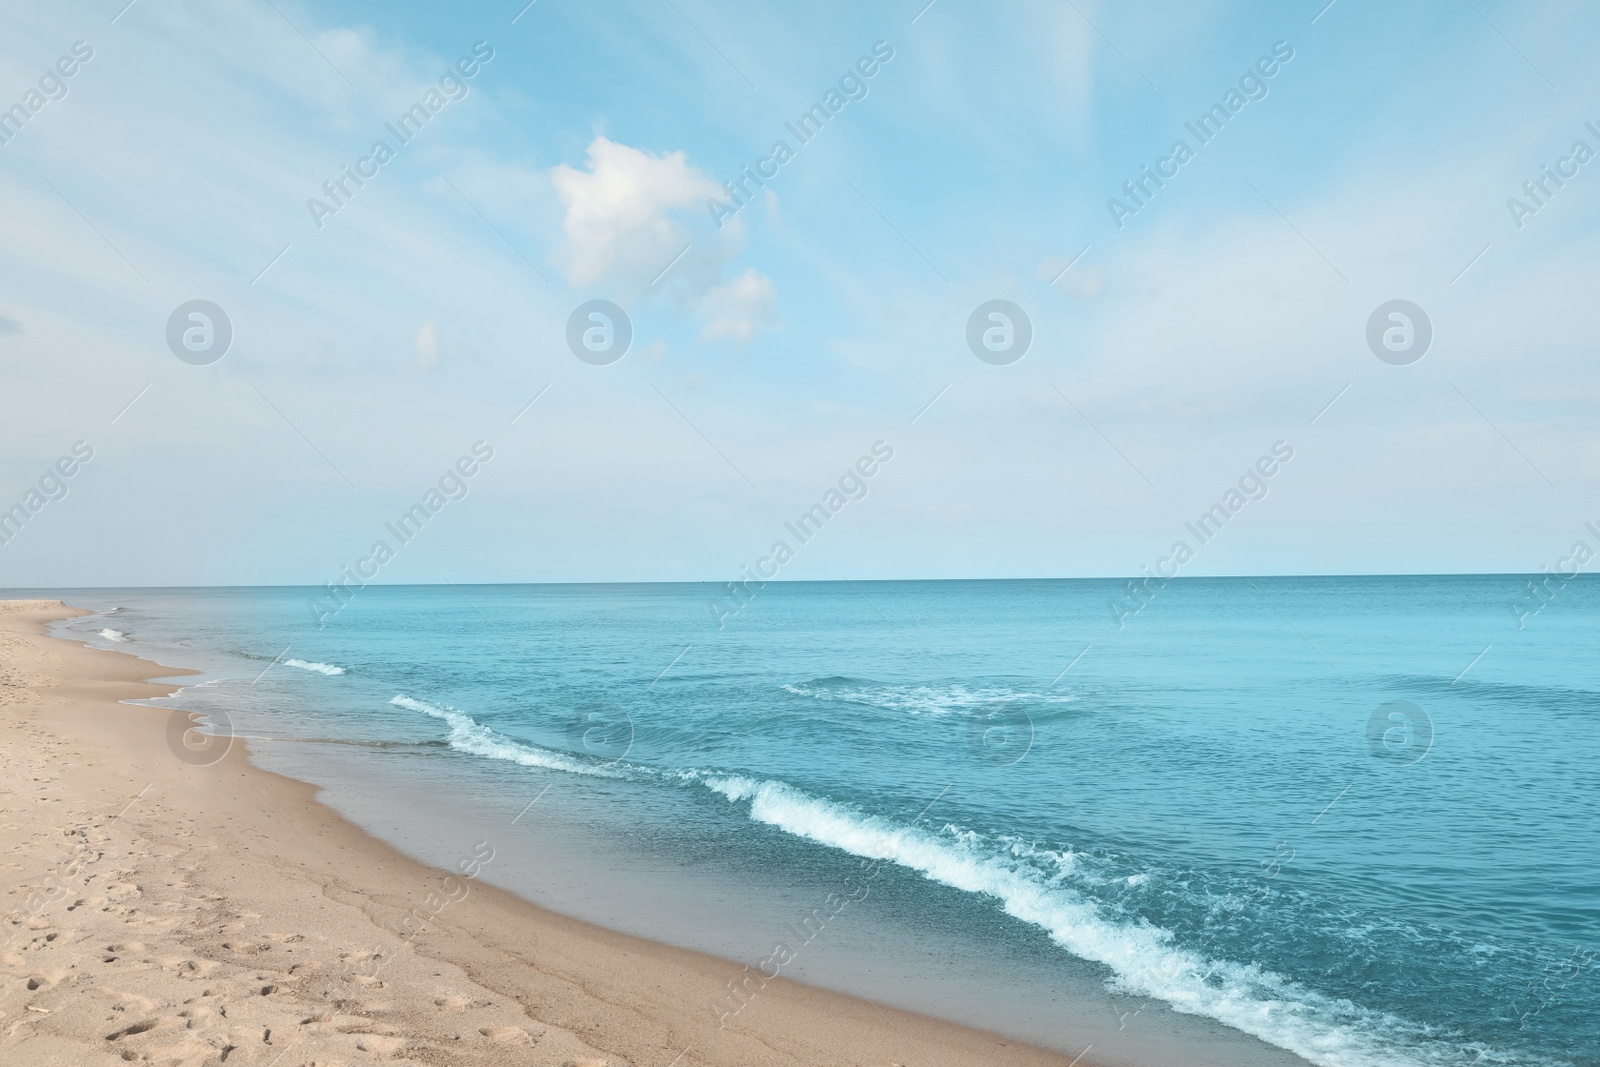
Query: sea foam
x=921, y=699
x=1144, y=959
x=1035, y=886
x=469, y=735
x=321, y=668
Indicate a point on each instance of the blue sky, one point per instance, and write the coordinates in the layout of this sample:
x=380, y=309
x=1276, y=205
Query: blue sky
x=1222, y=317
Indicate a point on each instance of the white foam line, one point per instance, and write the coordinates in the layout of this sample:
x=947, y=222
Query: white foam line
x=1145, y=959
x=310, y=665
x=472, y=737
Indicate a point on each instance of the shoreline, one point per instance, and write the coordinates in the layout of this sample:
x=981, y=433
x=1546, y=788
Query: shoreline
x=197, y=908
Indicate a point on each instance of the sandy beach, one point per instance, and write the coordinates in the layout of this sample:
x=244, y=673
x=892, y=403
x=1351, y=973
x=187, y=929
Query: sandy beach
x=180, y=913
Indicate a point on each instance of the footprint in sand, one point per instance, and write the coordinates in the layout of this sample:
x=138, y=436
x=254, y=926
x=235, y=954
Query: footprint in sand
x=142, y=1027
x=507, y=1035
x=126, y=1001
x=194, y=968
x=380, y=1045
x=191, y=1052
x=44, y=979
x=247, y=1036
x=452, y=1003
x=246, y=948
x=197, y=1017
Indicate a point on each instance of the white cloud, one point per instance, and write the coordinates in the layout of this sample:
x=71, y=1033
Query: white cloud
x=635, y=219
x=738, y=309
x=618, y=211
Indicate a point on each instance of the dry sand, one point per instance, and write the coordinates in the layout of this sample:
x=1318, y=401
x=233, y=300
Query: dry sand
x=161, y=911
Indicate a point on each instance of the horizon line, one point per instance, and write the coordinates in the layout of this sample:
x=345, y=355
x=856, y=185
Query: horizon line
x=8, y=592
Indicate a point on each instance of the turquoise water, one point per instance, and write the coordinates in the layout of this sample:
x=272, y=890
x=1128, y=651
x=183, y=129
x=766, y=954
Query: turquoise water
x=1353, y=818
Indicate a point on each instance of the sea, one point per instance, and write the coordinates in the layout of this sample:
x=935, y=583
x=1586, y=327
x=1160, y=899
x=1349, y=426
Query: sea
x=1346, y=821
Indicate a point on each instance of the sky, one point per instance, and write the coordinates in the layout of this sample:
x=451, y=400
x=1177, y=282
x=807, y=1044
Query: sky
x=1178, y=340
